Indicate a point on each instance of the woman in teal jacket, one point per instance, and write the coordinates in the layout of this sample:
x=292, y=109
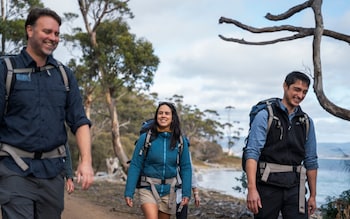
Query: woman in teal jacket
x=157, y=169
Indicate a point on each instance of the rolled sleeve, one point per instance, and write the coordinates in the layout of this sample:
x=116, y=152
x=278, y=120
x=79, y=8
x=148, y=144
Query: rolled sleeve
x=311, y=158
x=257, y=136
x=75, y=112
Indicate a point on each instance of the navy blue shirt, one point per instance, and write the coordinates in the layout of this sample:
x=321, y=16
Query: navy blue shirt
x=38, y=109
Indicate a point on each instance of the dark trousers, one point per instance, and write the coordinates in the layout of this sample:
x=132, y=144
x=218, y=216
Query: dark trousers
x=275, y=199
x=30, y=197
x=183, y=213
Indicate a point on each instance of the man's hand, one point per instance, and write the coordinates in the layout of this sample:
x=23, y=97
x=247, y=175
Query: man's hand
x=253, y=201
x=311, y=205
x=85, y=175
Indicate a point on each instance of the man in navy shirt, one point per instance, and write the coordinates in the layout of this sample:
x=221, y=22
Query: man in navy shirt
x=279, y=160
x=32, y=126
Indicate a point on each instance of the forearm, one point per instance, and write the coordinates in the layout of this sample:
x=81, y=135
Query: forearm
x=251, y=167
x=311, y=178
x=85, y=173
x=84, y=143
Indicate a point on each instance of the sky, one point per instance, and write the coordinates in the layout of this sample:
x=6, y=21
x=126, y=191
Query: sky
x=212, y=74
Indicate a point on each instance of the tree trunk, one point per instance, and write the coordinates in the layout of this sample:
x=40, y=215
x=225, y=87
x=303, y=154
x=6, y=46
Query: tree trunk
x=3, y=37
x=117, y=146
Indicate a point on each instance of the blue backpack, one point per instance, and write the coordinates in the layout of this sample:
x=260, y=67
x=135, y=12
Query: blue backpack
x=267, y=105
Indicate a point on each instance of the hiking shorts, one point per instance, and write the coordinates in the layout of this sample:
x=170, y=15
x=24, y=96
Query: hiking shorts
x=146, y=196
x=28, y=197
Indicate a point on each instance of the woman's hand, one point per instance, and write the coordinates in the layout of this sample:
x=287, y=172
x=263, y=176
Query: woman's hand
x=129, y=201
x=185, y=201
x=70, y=185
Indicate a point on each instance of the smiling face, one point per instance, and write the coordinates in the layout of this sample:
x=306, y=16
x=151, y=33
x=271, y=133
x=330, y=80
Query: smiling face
x=294, y=94
x=43, y=38
x=164, y=117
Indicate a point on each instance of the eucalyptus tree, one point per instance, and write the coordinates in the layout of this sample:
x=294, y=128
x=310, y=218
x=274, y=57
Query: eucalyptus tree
x=12, y=31
x=112, y=58
x=196, y=124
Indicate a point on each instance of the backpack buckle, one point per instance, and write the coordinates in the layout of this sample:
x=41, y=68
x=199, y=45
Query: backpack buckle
x=38, y=155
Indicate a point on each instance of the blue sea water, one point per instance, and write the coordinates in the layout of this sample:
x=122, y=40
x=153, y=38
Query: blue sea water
x=333, y=174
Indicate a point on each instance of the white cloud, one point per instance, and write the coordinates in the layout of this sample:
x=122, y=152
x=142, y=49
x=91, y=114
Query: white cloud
x=212, y=74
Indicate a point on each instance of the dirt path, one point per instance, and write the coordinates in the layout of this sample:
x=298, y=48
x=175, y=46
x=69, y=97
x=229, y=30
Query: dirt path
x=79, y=208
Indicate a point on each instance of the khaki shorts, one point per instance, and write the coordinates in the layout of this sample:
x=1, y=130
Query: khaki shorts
x=146, y=196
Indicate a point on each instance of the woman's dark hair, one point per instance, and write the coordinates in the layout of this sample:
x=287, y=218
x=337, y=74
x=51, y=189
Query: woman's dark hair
x=292, y=77
x=36, y=13
x=175, y=126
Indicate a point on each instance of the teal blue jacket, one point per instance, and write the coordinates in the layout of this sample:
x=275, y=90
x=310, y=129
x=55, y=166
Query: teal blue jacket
x=160, y=163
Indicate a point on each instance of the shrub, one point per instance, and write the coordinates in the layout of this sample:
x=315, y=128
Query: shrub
x=337, y=207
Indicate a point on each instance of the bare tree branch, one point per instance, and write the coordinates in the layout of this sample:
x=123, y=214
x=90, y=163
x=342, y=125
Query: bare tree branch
x=301, y=33
x=290, y=12
x=317, y=32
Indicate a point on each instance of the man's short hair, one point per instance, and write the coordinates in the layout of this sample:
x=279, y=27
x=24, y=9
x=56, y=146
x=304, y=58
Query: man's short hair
x=292, y=77
x=36, y=13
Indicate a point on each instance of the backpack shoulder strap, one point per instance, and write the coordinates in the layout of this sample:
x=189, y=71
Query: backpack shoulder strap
x=11, y=71
x=62, y=70
x=181, y=146
x=147, y=143
x=9, y=76
x=307, y=125
x=270, y=115
x=64, y=75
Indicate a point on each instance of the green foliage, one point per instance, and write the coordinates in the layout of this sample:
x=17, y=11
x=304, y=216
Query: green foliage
x=243, y=180
x=128, y=140
x=12, y=31
x=101, y=149
x=337, y=207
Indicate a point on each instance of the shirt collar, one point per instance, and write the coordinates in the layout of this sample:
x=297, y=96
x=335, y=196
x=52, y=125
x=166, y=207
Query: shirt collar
x=29, y=62
x=285, y=109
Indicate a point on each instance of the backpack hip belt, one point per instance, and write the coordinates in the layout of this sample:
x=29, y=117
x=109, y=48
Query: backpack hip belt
x=149, y=181
x=17, y=154
x=267, y=168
